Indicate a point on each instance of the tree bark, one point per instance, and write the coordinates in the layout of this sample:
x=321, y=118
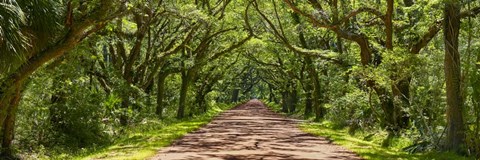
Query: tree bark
x=186, y=79
x=308, y=102
x=271, y=95
x=317, y=104
x=160, y=94
x=401, y=92
x=389, y=25
x=9, y=125
x=293, y=99
x=339, y=42
x=183, y=96
x=200, y=100
x=284, y=101
x=455, y=135
x=235, y=95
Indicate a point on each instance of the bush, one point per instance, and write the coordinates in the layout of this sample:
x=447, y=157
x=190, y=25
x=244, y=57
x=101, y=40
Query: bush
x=353, y=109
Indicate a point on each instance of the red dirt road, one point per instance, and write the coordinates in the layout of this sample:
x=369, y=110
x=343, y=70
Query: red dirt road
x=252, y=131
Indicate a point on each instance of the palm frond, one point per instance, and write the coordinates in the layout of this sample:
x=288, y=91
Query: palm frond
x=11, y=20
x=12, y=40
x=43, y=16
x=25, y=27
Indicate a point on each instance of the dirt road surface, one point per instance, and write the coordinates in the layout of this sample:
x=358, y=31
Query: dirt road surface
x=252, y=131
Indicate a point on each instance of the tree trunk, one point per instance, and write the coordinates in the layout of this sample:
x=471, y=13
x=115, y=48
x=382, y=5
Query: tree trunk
x=389, y=25
x=339, y=43
x=284, y=101
x=308, y=102
x=455, y=127
x=186, y=78
x=160, y=94
x=401, y=92
x=9, y=126
x=200, y=100
x=235, y=95
x=271, y=95
x=386, y=102
x=148, y=92
x=293, y=99
x=320, y=110
x=183, y=96
x=10, y=95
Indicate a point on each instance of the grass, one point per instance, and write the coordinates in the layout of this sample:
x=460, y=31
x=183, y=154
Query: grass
x=371, y=149
x=367, y=149
x=143, y=143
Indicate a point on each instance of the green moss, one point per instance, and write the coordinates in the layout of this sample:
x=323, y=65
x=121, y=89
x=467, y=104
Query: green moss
x=371, y=149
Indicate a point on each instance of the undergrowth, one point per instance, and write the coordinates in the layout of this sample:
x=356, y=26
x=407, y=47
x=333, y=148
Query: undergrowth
x=143, y=140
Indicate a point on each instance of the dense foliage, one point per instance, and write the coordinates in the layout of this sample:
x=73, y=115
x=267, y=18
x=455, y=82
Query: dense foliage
x=76, y=75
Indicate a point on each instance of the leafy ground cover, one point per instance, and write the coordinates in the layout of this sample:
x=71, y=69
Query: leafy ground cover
x=371, y=149
x=145, y=140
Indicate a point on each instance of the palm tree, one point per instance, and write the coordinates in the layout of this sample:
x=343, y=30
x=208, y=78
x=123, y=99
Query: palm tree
x=34, y=32
x=25, y=28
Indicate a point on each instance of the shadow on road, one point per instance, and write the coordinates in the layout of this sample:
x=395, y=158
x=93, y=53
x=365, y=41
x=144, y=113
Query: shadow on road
x=252, y=131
